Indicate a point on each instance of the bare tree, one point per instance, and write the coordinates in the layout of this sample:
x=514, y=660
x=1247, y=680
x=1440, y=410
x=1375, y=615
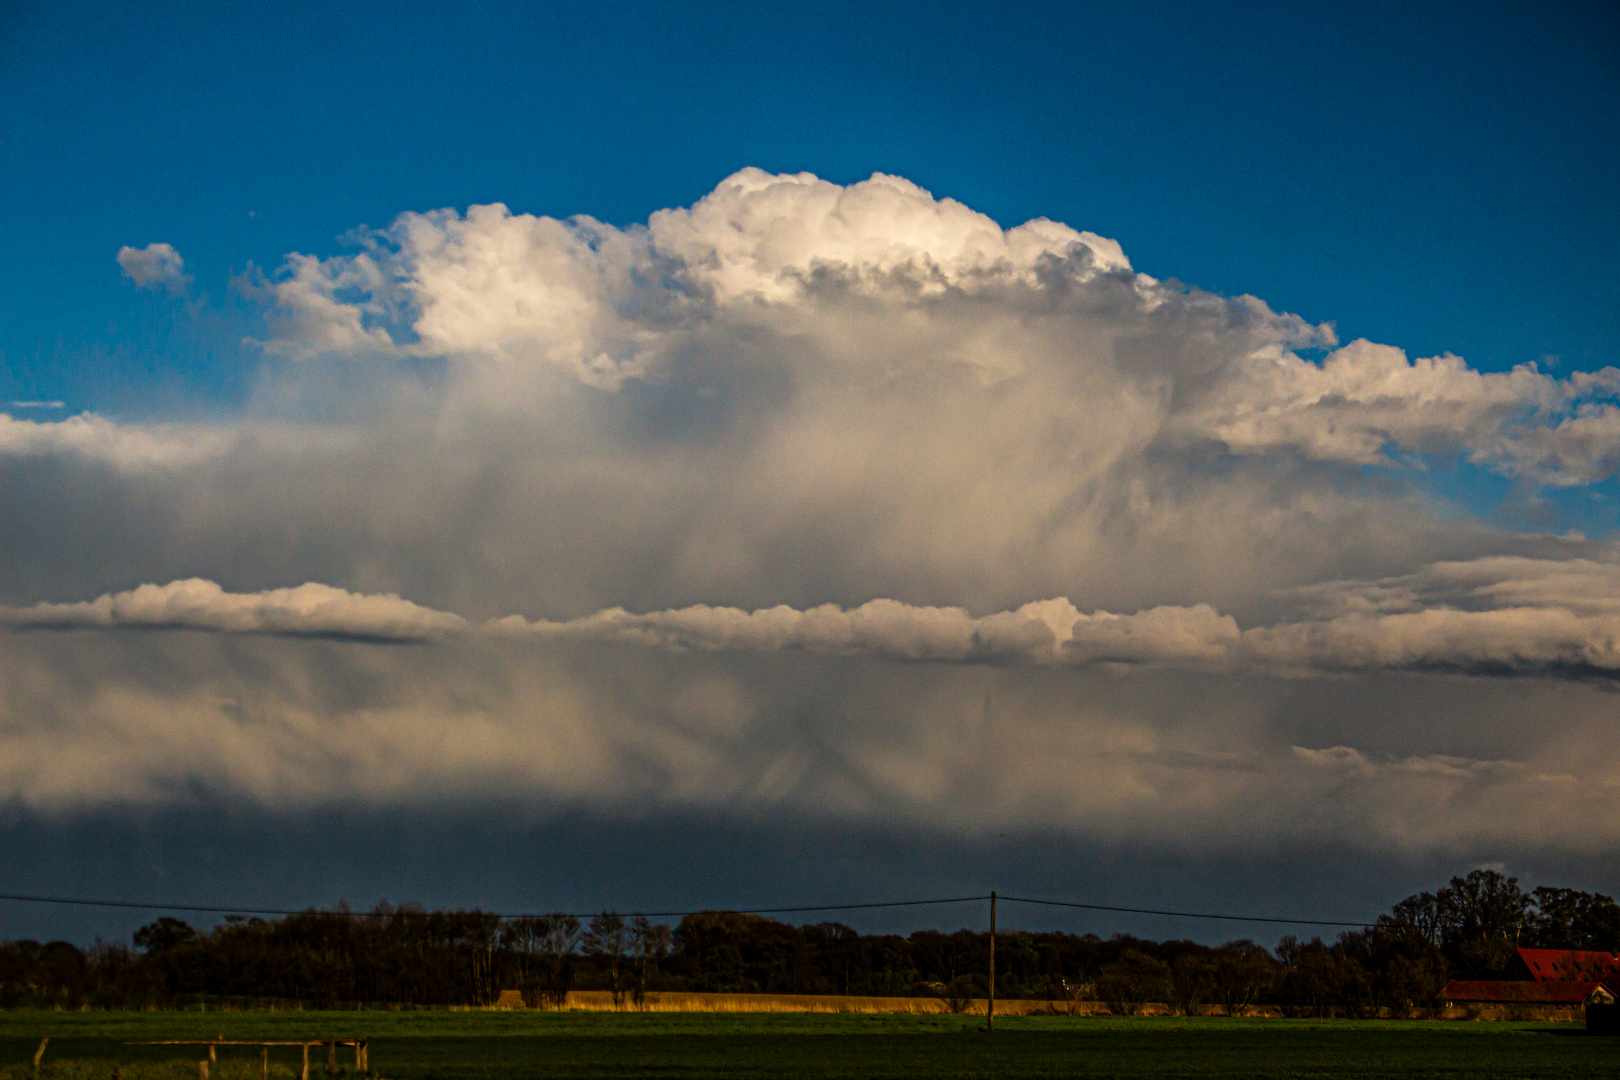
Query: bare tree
x=1133, y=979
x=481, y=968
x=609, y=939
x=559, y=938
x=649, y=943
x=1245, y=973
x=522, y=937
x=543, y=947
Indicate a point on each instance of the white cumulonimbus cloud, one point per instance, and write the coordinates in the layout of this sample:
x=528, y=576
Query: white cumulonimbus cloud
x=155, y=266
x=605, y=304
x=777, y=482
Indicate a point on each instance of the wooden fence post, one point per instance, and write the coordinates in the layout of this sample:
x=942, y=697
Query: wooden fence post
x=331, y=1057
x=202, y=1070
x=264, y=1063
x=40, y=1053
x=306, y=1061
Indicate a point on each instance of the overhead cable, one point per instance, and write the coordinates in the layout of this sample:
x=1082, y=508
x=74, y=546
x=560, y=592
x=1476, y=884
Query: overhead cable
x=1182, y=914
x=412, y=913
x=806, y=908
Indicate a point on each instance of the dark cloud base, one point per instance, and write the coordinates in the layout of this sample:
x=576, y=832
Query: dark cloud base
x=506, y=858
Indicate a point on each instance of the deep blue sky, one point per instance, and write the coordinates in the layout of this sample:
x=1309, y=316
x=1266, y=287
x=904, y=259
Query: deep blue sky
x=1439, y=177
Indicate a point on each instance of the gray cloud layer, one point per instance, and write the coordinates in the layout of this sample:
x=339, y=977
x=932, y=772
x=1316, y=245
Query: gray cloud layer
x=678, y=508
x=1172, y=760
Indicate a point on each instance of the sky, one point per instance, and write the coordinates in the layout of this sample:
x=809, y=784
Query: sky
x=626, y=455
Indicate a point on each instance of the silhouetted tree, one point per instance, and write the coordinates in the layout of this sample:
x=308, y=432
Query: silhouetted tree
x=1133, y=979
x=608, y=939
x=1405, y=968
x=1194, y=980
x=164, y=935
x=408, y=955
x=1571, y=919
x=1244, y=975
x=1482, y=916
x=649, y=944
x=559, y=937
x=1321, y=981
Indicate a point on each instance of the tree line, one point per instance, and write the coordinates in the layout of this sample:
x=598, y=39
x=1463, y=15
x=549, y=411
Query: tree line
x=408, y=956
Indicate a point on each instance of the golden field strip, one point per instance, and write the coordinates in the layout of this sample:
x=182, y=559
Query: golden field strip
x=602, y=1001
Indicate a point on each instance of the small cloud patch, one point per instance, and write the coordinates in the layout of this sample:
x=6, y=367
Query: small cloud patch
x=155, y=266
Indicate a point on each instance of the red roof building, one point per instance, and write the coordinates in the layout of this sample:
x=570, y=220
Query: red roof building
x=1564, y=965
x=1525, y=992
x=1544, y=977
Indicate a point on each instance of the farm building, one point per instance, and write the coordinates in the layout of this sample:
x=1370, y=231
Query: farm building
x=1571, y=965
x=1544, y=977
x=1504, y=992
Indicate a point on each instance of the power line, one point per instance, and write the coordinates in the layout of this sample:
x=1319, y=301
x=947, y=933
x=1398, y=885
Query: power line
x=1184, y=914
x=408, y=913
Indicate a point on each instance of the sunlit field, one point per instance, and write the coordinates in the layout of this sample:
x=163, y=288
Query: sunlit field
x=411, y=1045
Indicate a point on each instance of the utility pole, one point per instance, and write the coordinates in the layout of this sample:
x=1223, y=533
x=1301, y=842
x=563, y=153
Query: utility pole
x=991, y=1010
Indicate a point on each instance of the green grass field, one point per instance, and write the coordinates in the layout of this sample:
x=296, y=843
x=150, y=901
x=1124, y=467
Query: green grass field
x=423, y=1045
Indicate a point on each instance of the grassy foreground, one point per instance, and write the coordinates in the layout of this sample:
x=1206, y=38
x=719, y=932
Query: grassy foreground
x=423, y=1045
